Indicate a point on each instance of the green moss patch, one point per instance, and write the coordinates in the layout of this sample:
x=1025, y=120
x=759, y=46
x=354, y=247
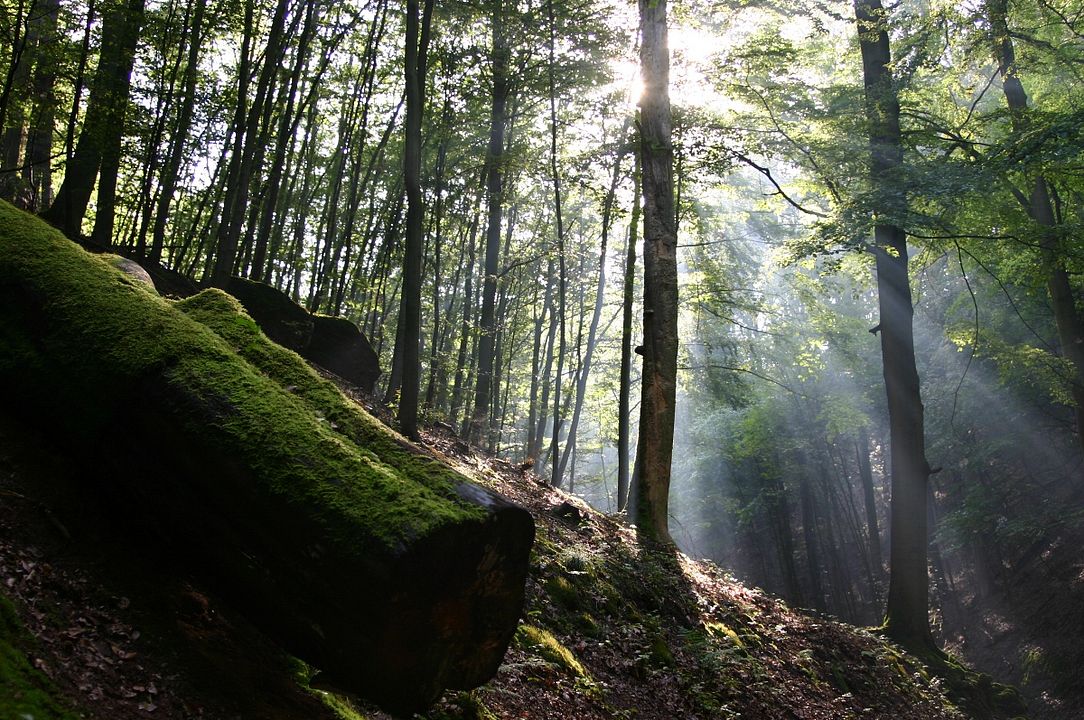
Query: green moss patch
x=25, y=694
x=225, y=315
x=543, y=642
x=102, y=332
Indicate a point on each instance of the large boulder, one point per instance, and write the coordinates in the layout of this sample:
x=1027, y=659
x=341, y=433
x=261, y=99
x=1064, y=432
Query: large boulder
x=132, y=269
x=281, y=319
x=339, y=346
x=333, y=343
x=385, y=569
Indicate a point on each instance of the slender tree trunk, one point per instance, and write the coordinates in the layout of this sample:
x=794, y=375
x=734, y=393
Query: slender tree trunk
x=551, y=342
x=435, y=364
x=865, y=472
x=907, y=616
x=655, y=448
x=494, y=192
x=411, y=304
x=600, y=294
x=625, y=380
x=37, y=171
x=555, y=478
x=812, y=550
x=532, y=443
x=80, y=81
x=12, y=110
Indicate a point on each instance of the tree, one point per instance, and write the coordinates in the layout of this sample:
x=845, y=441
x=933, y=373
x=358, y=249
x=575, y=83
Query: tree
x=1039, y=205
x=411, y=303
x=99, y=147
x=499, y=91
x=659, y=385
x=907, y=614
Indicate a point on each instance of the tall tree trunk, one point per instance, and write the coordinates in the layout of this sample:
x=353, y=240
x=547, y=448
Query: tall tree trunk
x=37, y=169
x=555, y=477
x=494, y=192
x=410, y=310
x=459, y=386
x=99, y=141
x=873, y=531
x=655, y=448
x=625, y=379
x=812, y=550
x=80, y=81
x=907, y=616
x=533, y=441
x=13, y=109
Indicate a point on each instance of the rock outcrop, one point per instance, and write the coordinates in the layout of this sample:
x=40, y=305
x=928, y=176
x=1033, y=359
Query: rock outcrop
x=393, y=574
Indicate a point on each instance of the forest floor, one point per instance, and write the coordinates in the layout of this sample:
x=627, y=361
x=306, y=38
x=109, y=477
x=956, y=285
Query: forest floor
x=611, y=629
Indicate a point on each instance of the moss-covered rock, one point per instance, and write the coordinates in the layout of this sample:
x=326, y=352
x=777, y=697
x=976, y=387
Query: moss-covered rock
x=283, y=320
x=391, y=573
x=131, y=268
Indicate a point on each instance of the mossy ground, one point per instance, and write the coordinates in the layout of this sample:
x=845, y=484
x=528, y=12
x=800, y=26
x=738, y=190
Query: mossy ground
x=25, y=694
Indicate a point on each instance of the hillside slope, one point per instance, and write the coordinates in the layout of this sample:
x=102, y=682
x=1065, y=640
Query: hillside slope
x=610, y=631
x=133, y=480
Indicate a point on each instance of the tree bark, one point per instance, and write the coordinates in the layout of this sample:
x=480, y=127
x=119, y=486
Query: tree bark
x=659, y=385
x=907, y=615
x=865, y=473
x=417, y=44
x=559, y=317
x=625, y=379
x=99, y=141
x=494, y=192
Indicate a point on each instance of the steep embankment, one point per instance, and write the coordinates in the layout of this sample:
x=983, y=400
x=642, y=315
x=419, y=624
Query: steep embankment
x=609, y=630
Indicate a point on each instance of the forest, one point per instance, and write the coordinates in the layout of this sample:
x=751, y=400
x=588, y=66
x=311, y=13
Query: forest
x=792, y=287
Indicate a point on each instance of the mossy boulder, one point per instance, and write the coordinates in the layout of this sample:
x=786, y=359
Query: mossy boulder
x=131, y=268
x=339, y=346
x=281, y=319
x=333, y=343
x=388, y=571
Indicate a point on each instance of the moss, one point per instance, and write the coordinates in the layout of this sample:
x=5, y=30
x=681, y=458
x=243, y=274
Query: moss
x=973, y=692
x=24, y=692
x=529, y=637
x=563, y=593
x=659, y=653
x=303, y=675
x=225, y=315
x=586, y=624
x=472, y=707
x=722, y=630
x=89, y=333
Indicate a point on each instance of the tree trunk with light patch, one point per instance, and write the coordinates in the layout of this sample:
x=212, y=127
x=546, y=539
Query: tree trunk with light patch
x=907, y=615
x=651, y=485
